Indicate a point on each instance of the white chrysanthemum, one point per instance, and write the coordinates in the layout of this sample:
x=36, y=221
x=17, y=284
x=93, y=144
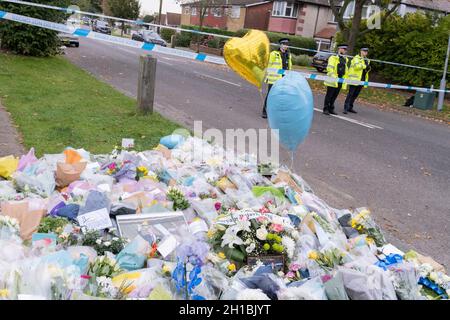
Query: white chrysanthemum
x=261, y=233
x=289, y=245
x=250, y=248
x=252, y=294
x=98, y=241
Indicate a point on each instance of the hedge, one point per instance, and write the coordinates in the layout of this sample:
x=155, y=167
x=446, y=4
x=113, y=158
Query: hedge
x=30, y=40
x=415, y=39
x=167, y=34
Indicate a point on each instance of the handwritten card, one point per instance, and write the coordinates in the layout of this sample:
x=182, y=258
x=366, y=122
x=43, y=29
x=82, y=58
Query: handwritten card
x=127, y=143
x=95, y=220
x=167, y=246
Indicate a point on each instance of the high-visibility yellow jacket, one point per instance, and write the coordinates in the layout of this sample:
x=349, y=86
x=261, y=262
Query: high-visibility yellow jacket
x=332, y=71
x=275, y=63
x=357, y=66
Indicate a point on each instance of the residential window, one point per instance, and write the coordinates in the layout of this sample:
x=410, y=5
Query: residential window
x=217, y=12
x=284, y=9
x=187, y=10
x=350, y=10
x=193, y=11
x=333, y=17
x=235, y=12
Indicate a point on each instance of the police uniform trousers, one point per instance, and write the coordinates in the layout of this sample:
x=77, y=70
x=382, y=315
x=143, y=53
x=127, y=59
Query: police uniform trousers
x=353, y=93
x=269, y=86
x=331, y=96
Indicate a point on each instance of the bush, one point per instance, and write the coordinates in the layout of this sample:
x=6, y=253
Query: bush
x=415, y=39
x=183, y=39
x=167, y=34
x=29, y=40
x=301, y=60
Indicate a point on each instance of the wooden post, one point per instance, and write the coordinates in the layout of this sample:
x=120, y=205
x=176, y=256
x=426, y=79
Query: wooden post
x=146, y=83
x=173, y=41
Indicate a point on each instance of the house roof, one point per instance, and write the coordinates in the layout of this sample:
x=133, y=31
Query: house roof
x=324, y=3
x=436, y=5
x=326, y=33
x=173, y=19
x=214, y=3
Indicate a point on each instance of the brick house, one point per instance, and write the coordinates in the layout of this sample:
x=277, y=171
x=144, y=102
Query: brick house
x=307, y=18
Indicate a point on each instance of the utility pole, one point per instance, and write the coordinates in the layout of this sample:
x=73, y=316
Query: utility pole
x=444, y=80
x=159, y=16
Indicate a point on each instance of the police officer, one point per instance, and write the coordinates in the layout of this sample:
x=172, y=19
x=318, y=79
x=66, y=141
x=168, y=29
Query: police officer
x=358, y=71
x=337, y=68
x=279, y=59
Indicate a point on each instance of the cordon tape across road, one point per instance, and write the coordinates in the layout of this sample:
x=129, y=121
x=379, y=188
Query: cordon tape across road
x=71, y=10
x=181, y=53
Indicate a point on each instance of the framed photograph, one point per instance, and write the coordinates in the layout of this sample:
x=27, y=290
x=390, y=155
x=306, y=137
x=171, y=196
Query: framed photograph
x=154, y=225
x=277, y=262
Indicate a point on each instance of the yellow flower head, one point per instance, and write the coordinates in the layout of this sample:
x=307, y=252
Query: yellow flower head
x=143, y=169
x=211, y=233
x=166, y=268
x=313, y=255
x=369, y=240
x=232, y=267
x=221, y=255
x=4, y=293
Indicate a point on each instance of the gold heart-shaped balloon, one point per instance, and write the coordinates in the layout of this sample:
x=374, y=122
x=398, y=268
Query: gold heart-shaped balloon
x=248, y=56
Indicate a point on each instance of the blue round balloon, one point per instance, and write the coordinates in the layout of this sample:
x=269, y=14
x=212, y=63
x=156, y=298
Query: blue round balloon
x=290, y=108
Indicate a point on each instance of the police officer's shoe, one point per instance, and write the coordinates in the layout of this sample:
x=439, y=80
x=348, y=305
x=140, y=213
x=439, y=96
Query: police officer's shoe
x=332, y=112
x=352, y=111
x=264, y=115
x=325, y=112
x=345, y=112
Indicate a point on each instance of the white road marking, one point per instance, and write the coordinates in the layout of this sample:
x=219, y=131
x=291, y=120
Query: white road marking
x=361, y=123
x=167, y=63
x=218, y=79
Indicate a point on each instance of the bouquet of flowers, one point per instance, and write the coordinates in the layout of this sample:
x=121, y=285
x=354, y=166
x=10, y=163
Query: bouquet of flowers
x=179, y=201
x=9, y=227
x=104, y=266
x=103, y=242
x=365, y=225
x=252, y=238
x=329, y=259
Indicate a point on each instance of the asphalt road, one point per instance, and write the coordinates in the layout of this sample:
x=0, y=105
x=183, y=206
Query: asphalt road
x=396, y=164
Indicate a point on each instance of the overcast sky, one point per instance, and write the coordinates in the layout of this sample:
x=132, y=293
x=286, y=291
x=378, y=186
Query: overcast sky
x=152, y=6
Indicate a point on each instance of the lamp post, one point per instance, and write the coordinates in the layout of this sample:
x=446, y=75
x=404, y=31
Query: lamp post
x=444, y=80
x=159, y=16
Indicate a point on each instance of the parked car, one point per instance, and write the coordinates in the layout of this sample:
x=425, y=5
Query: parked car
x=149, y=36
x=101, y=26
x=69, y=40
x=320, y=61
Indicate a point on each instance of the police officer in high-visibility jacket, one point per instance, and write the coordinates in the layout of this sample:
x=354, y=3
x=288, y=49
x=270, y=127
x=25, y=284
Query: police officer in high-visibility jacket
x=337, y=68
x=278, y=59
x=359, y=71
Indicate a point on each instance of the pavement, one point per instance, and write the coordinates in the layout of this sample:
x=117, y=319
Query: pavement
x=395, y=164
x=10, y=140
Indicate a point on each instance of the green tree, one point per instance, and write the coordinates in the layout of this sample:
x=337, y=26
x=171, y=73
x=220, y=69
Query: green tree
x=29, y=40
x=415, y=39
x=125, y=9
x=353, y=28
x=94, y=6
x=149, y=18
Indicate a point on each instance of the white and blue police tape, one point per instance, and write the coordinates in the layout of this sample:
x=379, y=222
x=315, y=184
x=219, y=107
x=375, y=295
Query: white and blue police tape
x=111, y=39
x=180, y=53
x=322, y=78
x=71, y=10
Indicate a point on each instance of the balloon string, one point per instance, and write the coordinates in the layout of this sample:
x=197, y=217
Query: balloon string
x=292, y=160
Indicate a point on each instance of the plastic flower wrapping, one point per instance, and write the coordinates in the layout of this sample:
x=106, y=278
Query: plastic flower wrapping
x=189, y=220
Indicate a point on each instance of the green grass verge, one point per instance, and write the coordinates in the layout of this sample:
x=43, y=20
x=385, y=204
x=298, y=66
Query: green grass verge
x=56, y=104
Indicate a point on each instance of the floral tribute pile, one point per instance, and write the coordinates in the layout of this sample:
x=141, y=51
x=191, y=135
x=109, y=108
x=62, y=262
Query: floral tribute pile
x=172, y=223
